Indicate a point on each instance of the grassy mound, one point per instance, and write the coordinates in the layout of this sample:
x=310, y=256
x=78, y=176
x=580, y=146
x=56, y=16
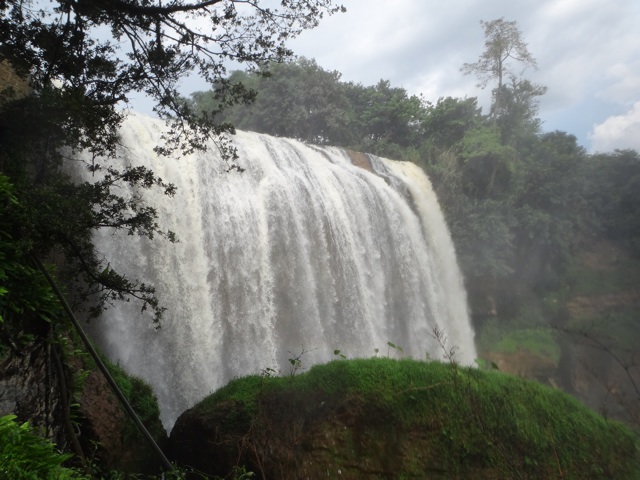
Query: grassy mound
x=382, y=418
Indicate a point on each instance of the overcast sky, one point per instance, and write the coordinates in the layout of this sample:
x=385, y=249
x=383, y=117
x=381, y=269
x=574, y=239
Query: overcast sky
x=588, y=54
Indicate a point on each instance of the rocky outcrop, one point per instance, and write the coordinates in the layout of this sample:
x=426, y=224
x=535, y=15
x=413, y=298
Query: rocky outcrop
x=109, y=435
x=12, y=86
x=380, y=419
x=361, y=160
x=350, y=440
x=29, y=388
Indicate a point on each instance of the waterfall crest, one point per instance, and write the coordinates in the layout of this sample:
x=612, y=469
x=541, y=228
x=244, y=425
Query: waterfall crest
x=309, y=249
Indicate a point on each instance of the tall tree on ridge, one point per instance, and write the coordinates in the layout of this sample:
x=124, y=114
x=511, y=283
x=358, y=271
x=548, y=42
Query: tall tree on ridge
x=504, y=49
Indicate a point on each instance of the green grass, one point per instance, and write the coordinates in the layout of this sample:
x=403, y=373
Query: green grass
x=540, y=340
x=474, y=418
x=585, y=280
x=137, y=391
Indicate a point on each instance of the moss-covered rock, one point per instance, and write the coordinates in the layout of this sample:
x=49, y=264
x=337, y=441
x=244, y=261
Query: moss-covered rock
x=109, y=435
x=381, y=418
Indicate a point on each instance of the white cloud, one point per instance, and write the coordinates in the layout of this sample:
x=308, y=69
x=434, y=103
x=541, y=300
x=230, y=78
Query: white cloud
x=618, y=132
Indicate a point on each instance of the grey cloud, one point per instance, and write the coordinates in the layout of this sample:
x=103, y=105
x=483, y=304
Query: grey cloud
x=576, y=42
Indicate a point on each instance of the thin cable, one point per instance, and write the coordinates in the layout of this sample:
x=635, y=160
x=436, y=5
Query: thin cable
x=102, y=366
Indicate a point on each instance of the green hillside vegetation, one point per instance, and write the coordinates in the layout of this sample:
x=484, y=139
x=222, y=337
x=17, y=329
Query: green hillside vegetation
x=403, y=419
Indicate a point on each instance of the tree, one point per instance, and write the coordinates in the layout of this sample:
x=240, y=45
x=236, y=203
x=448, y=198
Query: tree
x=504, y=49
x=445, y=123
x=488, y=164
x=84, y=58
x=516, y=114
x=301, y=100
x=297, y=99
x=153, y=46
x=613, y=194
x=390, y=115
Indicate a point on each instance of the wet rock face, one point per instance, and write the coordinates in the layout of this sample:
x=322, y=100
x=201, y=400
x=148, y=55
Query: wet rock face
x=29, y=389
x=331, y=442
x=195, y=439
x=103, y=421
x=109, y=435
x=321, y=438
x=361, y=160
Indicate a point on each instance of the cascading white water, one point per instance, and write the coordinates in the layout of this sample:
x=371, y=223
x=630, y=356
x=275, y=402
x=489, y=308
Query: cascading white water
x=303, y=251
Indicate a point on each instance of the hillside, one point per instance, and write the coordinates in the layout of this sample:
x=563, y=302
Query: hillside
x=381, y=418
x=581, y=336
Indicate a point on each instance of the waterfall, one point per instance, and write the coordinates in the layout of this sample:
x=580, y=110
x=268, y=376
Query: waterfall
x=307, y=251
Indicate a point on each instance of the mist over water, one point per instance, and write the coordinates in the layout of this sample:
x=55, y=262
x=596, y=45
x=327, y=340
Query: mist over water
x=303, y=251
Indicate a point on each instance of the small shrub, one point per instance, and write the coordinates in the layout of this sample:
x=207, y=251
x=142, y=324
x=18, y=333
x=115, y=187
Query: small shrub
x=26, y=456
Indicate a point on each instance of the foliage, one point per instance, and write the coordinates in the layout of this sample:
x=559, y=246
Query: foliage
x=296, y=99
x=26, y=456
x=516, y=113
x=152, y=46
x=24, y=293
x=83, y=60
x=391, y=115
x=584, y=280
x=487, y=163
x=485, y=240
x=301, y=100
x=447, y=122
x=613, y=194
